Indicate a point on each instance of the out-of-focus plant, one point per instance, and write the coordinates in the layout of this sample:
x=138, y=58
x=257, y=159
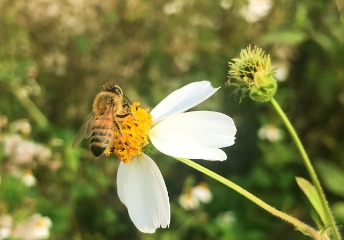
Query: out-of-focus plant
x=54, y=55
x=252, y=75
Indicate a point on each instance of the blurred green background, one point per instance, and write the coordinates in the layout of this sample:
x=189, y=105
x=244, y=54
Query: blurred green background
x=54, y=56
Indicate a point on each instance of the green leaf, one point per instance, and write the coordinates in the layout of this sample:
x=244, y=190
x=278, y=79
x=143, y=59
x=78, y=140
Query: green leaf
x=311, y=193
x=338, y=211
x=332, y=176
x=293, y=37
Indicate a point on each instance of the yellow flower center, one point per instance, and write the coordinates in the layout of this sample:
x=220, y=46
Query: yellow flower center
x=134, y=133
x=40, y=223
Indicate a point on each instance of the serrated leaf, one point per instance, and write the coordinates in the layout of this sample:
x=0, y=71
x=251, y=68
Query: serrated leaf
x=311, y=193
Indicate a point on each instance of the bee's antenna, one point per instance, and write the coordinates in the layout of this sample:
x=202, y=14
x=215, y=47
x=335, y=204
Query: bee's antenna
x=127, y=98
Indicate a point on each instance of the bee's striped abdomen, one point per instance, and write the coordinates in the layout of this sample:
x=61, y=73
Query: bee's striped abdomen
x=101, y=136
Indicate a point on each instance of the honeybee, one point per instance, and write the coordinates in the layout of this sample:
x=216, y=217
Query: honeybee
x=101, y=124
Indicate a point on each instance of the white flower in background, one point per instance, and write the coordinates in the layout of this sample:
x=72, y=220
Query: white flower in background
x=270, y=132
x=188, y=201
x=21, y=126
x=29, y=179
x=227, y=218
x=196, y=195
x=18, y=150
x=42, y=154
x=226, y=4
x=202, y=193
x=34, y=227
x=173, y=7
x=24, y=152
x=281, y=70
x=256, y=10
x=174, y=132
x=283, y=55
x=5, y=226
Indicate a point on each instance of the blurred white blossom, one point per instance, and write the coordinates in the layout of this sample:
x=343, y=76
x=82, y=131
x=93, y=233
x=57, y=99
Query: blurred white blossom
x=5, y=226
x=281, y=70
x=226, y=4
x=28, y=178
x=18, y=150
x=192, y=198
x=270, y=132
x=188, y=201
x=24, y=152
x=21, y=126
x=173, y=7
x=32, y=228
x=227, y=218
x=202, y=193
x=283, y=54
x=256, y=10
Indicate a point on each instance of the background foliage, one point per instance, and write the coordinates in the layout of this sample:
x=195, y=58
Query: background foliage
x=54, y=56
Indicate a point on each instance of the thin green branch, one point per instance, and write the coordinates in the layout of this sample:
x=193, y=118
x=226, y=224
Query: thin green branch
x=329, y=217
x=33, y=110
x=304, y=228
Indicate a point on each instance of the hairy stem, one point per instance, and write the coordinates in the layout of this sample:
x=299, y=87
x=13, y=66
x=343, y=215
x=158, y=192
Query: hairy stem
x=304, y=228
x=330, y=222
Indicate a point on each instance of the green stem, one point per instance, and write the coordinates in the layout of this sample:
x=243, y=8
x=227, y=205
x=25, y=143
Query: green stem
x=329, y=217
x=36, y=114
x=304, y=228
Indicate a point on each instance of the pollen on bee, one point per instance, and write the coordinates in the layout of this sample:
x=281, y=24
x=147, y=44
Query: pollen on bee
x=107, y=152
x=134, y=133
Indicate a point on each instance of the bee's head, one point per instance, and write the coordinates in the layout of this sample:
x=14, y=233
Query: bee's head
x=110, y=87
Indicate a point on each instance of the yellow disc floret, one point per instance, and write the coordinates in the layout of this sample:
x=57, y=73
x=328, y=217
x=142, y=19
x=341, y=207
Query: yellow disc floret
x=133, y=134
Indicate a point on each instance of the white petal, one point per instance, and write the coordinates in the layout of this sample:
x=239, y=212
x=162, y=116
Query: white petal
x=183, y=99
x=194, y=135
x=142, y=189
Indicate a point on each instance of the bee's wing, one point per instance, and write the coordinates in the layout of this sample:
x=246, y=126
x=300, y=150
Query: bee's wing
x=108, y=116
x=104, y=125
x=85, y=129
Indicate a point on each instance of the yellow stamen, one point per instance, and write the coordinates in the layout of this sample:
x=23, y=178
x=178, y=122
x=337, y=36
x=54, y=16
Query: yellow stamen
x=40, y=223
x=134, y=133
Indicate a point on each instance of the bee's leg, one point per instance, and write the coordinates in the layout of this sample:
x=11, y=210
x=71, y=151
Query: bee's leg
x=123, y=138
x=125, y=107
x=125, y=110
x=118, y=127
x=124, y=115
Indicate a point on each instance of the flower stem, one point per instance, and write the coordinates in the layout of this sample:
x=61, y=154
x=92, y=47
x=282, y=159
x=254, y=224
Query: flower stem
x=304, y=228
x=36, y=114
x=329, y=217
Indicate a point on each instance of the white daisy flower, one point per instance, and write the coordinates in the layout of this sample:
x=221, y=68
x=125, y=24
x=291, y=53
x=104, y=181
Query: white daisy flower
x=34, y=227
x=188, y=201
x=5, y=226
x=202, y=193
x=172, y=131
x=270, y=132
x=192, y=198
x=28, y=178
x=256, y=10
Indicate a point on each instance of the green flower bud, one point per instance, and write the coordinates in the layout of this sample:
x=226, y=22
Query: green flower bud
x=252, y=74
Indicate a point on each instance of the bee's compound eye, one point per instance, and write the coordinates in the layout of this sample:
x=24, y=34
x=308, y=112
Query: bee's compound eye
x=117, y=90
